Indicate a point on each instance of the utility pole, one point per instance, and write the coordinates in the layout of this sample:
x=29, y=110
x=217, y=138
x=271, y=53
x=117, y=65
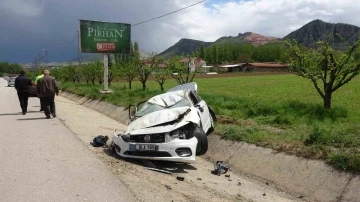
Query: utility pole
x=79, y=54
x=46, y=61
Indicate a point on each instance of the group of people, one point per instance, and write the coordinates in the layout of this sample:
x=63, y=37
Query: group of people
x=46, y=89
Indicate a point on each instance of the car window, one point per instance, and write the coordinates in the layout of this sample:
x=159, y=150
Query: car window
x=148, y=107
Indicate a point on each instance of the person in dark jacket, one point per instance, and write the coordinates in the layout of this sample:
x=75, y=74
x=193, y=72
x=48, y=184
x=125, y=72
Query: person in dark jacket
x=46, y=89
x=22, y=84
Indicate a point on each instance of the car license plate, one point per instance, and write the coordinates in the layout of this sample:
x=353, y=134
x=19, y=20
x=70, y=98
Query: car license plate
x=143, y=147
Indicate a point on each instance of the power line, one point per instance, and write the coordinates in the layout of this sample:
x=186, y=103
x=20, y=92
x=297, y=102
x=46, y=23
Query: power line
x=62, y=48
x=168, y=13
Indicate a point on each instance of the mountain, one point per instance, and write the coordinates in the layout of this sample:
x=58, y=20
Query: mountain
x=186, y=46
x=318, y=30
x=308, y=35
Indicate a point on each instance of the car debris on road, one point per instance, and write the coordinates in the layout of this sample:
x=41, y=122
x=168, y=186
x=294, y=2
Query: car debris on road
x=172, y=126
x=99, y=141
x=159, y=170
x=221, y=168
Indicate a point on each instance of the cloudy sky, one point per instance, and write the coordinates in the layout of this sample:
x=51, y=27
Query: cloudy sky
x=29, y=26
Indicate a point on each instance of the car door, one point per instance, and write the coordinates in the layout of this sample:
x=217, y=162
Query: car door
x=202, y=109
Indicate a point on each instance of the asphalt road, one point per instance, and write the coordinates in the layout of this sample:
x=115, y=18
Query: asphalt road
x=42, y=160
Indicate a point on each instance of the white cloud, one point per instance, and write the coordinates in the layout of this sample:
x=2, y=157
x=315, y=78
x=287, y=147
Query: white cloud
x=267, y=17
x=26, y=8
x=52, y=23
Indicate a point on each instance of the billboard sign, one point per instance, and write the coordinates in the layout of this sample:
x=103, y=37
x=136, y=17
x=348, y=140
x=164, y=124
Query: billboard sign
x=104, y=37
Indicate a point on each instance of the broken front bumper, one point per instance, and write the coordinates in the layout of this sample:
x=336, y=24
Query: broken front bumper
x=179, y=150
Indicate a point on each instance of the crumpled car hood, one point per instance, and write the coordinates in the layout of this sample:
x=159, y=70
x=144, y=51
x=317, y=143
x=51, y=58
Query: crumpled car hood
x=160, y=117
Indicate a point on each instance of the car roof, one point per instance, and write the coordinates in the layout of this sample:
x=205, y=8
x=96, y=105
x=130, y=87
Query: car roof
x=187, y=86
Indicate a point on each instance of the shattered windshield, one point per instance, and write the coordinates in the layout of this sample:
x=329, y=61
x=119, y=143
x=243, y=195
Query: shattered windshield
x=164, y=101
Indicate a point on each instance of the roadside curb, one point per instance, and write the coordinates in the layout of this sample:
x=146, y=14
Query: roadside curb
x=312, y=180
x=116, y=112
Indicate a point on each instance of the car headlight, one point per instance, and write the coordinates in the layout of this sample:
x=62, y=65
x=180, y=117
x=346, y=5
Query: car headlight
x=185, y=132
x=126, y=138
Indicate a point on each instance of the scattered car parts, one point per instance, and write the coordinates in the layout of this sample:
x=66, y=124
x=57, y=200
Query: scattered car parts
x=220, y=168
x=99, y=141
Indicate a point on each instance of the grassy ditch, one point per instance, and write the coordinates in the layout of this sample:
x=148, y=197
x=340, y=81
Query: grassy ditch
x=283, y=112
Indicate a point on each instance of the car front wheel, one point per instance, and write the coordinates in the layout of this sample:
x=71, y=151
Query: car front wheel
x=202, y=145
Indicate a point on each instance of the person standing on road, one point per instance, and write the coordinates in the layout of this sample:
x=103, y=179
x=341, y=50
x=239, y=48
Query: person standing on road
x=22, y=84
x=35, y=82
x=46, y=89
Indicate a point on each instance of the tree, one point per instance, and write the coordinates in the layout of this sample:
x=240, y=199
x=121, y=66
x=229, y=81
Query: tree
x=216, y=55
x=181, y=72
x=70, y=72
x=127, y=70
x=99, y=71
x=4, y=67
x=327, y=68
x=89, y=72
x=113, y=70
x=132, y=51
x=202, y=51
x=15, y=68
x=161, y=74
x=244, y=58
x=136, y=47
x=144, y=71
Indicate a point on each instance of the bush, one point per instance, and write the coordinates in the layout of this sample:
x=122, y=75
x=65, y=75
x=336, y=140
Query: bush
x=333, y=136
x=346, y=160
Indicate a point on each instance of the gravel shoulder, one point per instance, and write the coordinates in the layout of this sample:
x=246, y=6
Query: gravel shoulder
x=199, y=183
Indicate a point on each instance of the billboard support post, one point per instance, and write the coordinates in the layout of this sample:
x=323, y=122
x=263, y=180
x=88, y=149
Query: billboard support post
x=106, y=38
x=106, y=73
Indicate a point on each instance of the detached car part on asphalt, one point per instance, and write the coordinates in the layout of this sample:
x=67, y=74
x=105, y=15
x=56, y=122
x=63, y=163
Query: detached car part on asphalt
x=172, y=126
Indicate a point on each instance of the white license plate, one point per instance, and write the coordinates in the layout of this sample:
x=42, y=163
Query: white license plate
x=143, y=147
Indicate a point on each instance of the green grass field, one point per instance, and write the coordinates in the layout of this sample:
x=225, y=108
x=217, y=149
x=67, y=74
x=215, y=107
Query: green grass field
x=283, y=112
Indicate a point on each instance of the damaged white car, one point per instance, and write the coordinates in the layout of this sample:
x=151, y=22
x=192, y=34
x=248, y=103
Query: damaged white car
x=172, y=126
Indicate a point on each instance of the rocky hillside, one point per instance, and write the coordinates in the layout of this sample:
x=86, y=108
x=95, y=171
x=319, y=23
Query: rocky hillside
x=186, y=46
x=318, y=30
x=247, y=37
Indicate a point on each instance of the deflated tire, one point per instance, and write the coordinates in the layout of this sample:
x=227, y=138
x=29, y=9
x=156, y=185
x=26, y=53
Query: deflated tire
x=202, y=145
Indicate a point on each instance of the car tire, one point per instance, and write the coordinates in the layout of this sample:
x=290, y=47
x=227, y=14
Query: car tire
x=116, y=149
x=202, y=145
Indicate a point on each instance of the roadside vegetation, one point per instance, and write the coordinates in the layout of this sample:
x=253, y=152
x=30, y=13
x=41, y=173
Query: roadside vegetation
x=283, y=112
x=268, y=111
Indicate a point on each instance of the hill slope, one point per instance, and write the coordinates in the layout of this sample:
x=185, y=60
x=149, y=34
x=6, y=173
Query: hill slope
x=186, y=46
x=317, y=30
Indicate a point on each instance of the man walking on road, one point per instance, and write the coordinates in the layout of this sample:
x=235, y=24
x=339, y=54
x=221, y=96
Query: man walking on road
x=35, y=82
x=46, y=89
x=22, y=83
